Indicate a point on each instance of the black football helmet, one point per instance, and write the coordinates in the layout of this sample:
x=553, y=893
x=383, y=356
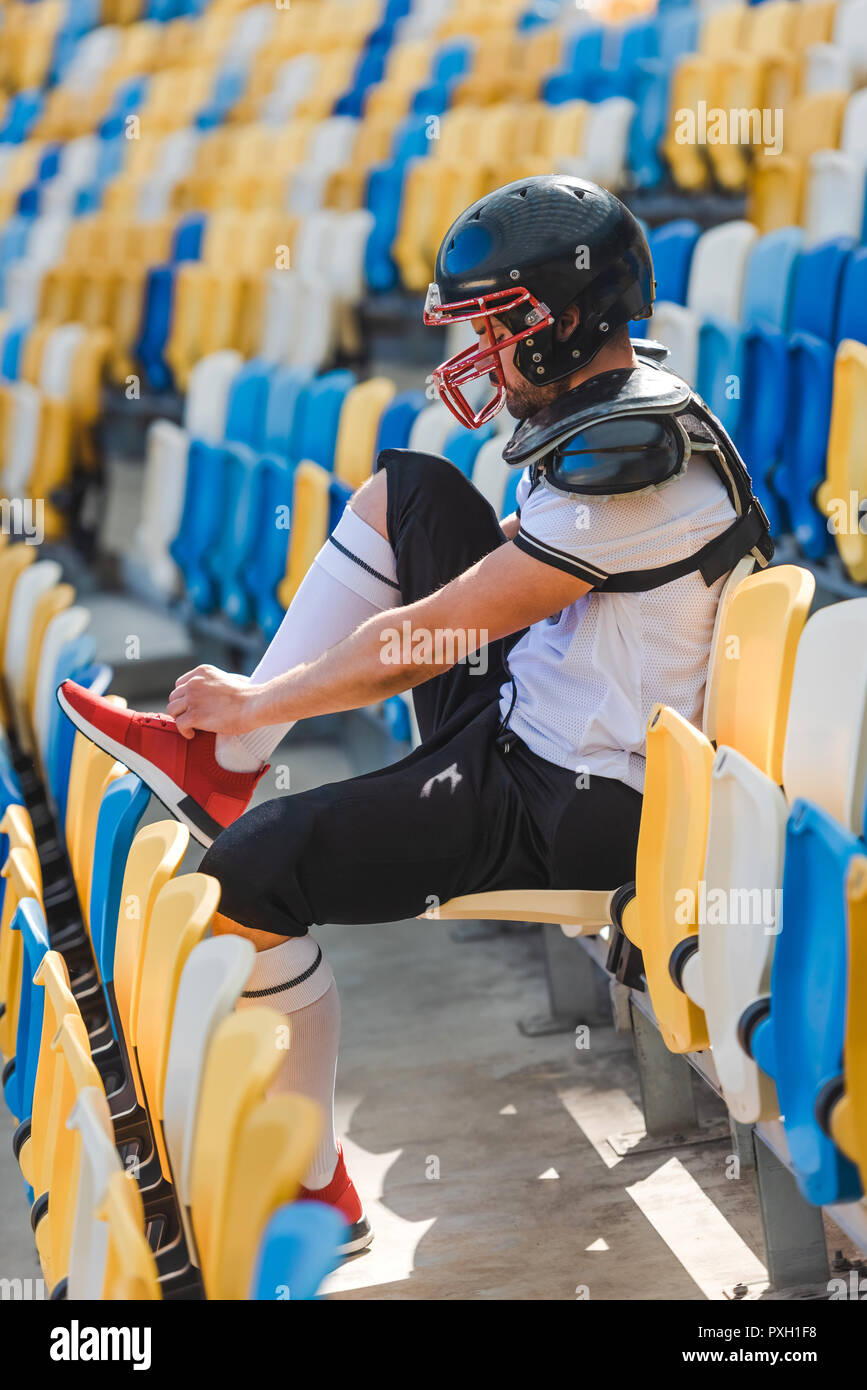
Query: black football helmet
x=523, y=254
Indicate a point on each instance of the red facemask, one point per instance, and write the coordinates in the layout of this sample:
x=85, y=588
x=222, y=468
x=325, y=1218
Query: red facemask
x=476, y=362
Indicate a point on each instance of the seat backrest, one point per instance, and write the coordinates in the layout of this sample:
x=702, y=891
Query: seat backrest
x=358, y=428
x=816, y=288
x=718, y=270
x=32, y=584
x=130, y=1268
x=78, y=1071
x=825, y=755
x=46, y=610
x=212, y=979
x=52, y=977
x=747, y=703
x=309, y=525
x=92, y=772
x=182, y=912
x=669, y=866
x=67, y=627
x=154, y=858
x=124, y=802
x=297, y=1250
x=770, y=275
x=242, y=1061
x=276, y=1145
x=99, y=1159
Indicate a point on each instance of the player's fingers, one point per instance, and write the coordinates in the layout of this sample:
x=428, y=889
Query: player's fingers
x=185, y=726
x=177, y=703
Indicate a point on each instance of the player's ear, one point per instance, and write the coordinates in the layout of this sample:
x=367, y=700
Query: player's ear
x=567, y=323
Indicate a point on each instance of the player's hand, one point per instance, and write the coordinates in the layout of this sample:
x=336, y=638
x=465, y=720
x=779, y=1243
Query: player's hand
x=213, y=700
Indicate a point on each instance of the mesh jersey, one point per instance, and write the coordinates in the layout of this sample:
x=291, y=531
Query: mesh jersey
x=586, y=679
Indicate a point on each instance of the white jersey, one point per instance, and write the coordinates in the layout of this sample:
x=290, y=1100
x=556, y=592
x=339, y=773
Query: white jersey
x=586, y=679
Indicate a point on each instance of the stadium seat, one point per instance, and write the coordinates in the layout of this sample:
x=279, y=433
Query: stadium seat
x=841, y=495
x=758, y=632
x=211, y=981
x=840, y=1107
x=798, y=1037
x=298, y=1249
x=311, y=496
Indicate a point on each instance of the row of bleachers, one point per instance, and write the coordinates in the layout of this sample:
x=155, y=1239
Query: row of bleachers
x=153, y=1164
x=771, y=330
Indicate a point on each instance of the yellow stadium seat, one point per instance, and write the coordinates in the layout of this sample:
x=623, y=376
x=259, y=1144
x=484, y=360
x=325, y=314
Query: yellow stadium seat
x=130, y=1269
x=14, y=559
x=844, y=490
x=34, y=1157
x=747, y=701
x=54, y=1231
x=769, y=27
x=814, y=23
x=154, y=858
x=91, y=772
x=276, y=1145
x=308, y=527
x=669, y=863
x=23, y=880
x=242, y=1061
x=739, y=84
x=849, y=1115
x=812, y=123
x=723, y=32
x=694, y=80
x=181, y=914
x=52, y=463
x=32, y=351
x=357, y=429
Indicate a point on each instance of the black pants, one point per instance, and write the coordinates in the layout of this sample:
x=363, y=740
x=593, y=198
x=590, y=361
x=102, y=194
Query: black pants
x=461, y=813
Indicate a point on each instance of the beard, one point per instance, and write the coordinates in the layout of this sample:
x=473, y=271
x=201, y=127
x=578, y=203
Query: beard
x=524, y=400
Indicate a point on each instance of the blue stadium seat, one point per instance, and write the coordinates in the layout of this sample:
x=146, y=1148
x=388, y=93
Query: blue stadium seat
x=19, y=1077
x=798, y=1039
x=384, y=189
x=123, y=805
x=852, y=310
x=187, y=239
x=462, y=447
x=397, y=420
x=806, y=390
x=298, y=1249
x=671, y=247
x=510, y=499
x=582, y=62
x=769, y=284
x=206, y=502
x=651, y=95
x=10, y=357
x=452, y=60
x=253, y=590
x=155, y=324
x=61, y=735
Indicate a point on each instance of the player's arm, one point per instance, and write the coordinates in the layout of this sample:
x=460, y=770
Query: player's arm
x=502, y=593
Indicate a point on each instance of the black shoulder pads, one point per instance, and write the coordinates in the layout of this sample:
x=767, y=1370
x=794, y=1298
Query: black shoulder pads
x=620, y=455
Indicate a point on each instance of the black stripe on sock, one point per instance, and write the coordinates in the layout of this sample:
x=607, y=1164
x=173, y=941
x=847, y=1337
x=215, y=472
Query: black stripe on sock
x=277, y=989
x=370, y=570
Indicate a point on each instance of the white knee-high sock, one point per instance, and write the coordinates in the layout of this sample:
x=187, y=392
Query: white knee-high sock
x=352, y=577
x=296, y=979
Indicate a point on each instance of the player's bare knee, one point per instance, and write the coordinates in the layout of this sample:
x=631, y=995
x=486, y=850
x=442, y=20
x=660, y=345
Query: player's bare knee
x=370, y=503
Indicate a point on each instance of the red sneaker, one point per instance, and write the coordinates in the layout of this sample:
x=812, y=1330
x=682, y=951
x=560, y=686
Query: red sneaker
x=183, y=773
x=341, y=1193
